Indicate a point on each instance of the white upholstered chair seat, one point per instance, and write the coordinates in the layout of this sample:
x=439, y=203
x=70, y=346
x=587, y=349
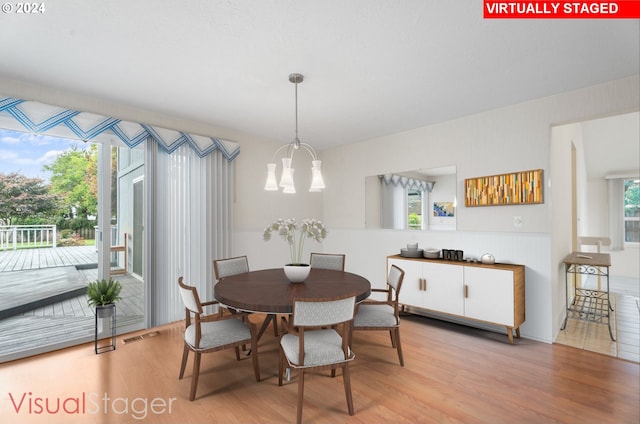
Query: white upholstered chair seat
x=382, y=315
x=320, y=347
x=217, y=333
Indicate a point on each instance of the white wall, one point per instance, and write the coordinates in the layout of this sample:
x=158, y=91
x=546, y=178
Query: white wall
x=597, y=204
x=562, y=138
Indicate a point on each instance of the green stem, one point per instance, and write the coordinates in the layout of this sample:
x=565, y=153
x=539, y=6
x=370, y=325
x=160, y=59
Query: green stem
x=300, y=246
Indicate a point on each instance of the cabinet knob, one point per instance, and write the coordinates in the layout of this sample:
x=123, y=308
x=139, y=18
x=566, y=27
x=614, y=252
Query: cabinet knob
x=466, y=291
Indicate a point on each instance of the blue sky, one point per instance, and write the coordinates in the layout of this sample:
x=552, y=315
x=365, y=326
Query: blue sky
x=27, y=153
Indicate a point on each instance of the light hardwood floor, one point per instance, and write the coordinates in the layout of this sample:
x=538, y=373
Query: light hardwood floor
x=625, y=324
x=595, y=337
x=453, y=374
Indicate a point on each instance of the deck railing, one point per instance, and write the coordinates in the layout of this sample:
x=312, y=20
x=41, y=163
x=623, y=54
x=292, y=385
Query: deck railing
x=13, y=237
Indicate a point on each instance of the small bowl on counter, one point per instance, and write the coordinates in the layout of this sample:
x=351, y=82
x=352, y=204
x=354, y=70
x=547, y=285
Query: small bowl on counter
x=431, y=253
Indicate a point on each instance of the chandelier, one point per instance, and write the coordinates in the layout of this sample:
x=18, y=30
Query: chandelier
x=286, y=180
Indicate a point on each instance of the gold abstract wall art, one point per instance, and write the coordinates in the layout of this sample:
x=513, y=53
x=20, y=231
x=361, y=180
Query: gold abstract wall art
x=517, y=188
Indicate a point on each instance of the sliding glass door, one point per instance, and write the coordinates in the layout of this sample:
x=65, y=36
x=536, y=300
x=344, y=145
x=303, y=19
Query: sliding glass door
x=76, y=223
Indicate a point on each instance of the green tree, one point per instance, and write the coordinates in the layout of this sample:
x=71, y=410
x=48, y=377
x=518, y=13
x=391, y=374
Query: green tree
x=22, y=197
x=415, y=220
x=631, y=198
x=73, y=179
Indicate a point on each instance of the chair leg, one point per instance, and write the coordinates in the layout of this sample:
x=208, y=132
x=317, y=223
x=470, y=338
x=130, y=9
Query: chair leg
x=346, y=376
x=393, y=340
x=280, y=366
x=237, y=349
x=196, y=374
x=300, y=395
x=185, y=356
x=399, y=346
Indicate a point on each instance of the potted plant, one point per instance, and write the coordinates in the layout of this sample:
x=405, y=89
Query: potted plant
x=102, y=294
x=296, y=270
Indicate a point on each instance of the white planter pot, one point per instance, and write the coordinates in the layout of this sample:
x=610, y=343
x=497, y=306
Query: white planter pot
x=105, y=311
x=104, y=320
x=297, y=273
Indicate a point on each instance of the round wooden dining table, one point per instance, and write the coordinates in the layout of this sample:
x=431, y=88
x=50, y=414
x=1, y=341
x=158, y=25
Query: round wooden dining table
x=269, y=291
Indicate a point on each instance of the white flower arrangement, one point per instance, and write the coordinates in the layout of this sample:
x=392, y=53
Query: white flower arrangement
x=287, y=228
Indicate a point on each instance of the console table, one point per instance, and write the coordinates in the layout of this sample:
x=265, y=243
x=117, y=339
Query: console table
x=588, y=304
x=492, y=294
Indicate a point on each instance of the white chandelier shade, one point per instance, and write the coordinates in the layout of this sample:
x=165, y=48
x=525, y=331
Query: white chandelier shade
x=286, y=180
x=271, y=184
x=317, y=183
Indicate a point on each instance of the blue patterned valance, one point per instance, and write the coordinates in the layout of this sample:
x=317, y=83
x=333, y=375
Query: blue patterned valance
x=406, y=182
x=21, y=115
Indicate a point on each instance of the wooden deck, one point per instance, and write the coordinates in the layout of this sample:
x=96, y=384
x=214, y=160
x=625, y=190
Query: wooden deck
x=19, y=260
x=36, y=326
x=23, y=291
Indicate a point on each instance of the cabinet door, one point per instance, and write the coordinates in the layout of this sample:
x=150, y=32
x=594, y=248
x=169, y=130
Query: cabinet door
x=410, y=292
x=489, y=295
x=443, y=288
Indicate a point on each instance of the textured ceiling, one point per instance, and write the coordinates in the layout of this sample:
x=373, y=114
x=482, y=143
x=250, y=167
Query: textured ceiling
x=371, y=67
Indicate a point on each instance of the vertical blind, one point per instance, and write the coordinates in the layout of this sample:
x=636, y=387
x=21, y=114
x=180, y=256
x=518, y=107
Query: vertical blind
x=616, y=213
x=192, y=220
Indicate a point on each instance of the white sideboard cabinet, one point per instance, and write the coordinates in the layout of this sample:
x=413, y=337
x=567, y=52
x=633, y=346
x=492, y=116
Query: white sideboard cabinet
x=492, y=294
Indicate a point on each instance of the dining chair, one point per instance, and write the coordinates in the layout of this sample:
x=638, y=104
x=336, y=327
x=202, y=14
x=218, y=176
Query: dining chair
x=598, y=242
x=211, y=333
x=238, y=265
x=383, y=315
x=318, y=337
x=327, y=261
x=230, y=266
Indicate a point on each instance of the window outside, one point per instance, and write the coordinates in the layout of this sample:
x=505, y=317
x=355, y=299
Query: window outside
x=414, y=209
x=632, y=211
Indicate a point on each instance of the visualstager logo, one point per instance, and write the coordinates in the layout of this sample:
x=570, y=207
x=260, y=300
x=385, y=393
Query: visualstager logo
x=89, y=403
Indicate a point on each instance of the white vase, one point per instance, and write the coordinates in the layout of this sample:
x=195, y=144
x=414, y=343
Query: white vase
x=297, y=273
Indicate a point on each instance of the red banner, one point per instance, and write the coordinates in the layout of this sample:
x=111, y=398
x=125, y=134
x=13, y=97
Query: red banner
x=623, y=9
